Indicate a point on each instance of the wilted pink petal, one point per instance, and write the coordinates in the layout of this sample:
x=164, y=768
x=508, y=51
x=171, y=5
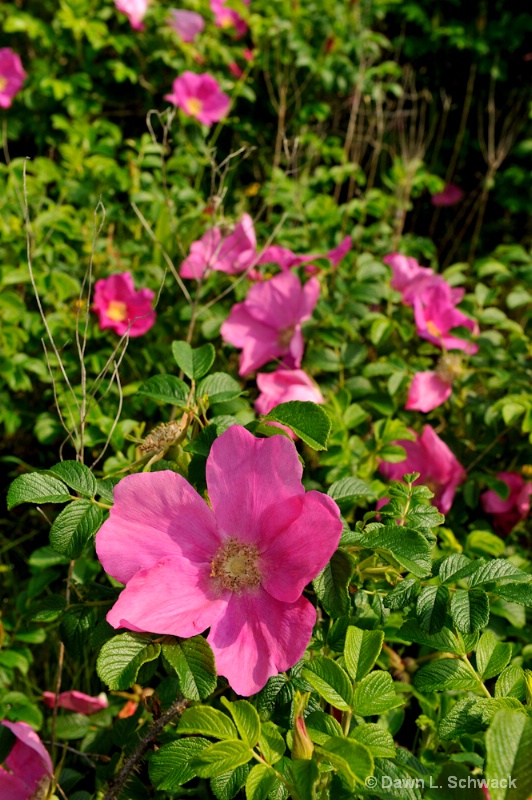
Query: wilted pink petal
x=507, y=513
x=226, y=18
x=135, y=11
x=427, y=391
x=223, y=568
x=199, y=96
x=28, y=770
x=12, y=76
x=76, y=701
x=187, y=24
x=121, y=308
x=267, y=325
x=439, y=469
x=285, y=385
x=436, y=315
x=451, y=195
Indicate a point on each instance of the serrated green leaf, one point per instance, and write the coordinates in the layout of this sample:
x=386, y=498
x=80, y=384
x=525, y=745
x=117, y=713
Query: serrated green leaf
x=76, y=626
x=73, y=528
x=377, y=739
x=48, y=609
x=492, y=655
x=245, y=718
x=121, y=658
x=470, y=610
x=444, y=641
x=228, y=784
x=170, y=765
x=221, y=757
x=496, y=570
x=331, y=585
x=71, y=726
x=260, y=782
x=362, y=648
x=446, y=673
x=348, y=489
x=404, y=594
x=330, y=681
x=219, y=388
x=321, y=726
x=350, y=758
x=387, y=774
x=36, y=488
x=193, y=661
x=431, y=608
x=308, y=421
x=472, y=715
x=511, y=683
x=407, y=546
x=305, y=776
x=207, y=721
x=375, y=694
x=508, y=746
x=456, y=567
x=166, y=389
x=77, y=476
x=271, y=743
x=516, y=593
x=195, y=362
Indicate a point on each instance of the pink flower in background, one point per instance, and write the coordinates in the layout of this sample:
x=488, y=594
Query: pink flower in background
x=286, y=259
x=428, y=390
x=507, y=513
x=233, y=253
x=27, y=771
x=122, y=308
x=238, y=566
x=234, y=69
x=199, y=96
x=267, y=325
x=438, y=467
x=435, y=315
x=226, y=18
x=285, y=385
x=406, y=271
x=76, y=701
x=187, y=24
x=12, y=76
x=451, y=195
x=135, y=11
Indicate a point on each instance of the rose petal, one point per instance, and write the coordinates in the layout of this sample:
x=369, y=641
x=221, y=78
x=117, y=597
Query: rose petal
x=427, y=391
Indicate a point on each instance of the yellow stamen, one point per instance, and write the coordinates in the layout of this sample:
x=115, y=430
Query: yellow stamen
x=3, y=83
x=117, y=311
x=236, y=566
x=194, y=106
x=433, y=329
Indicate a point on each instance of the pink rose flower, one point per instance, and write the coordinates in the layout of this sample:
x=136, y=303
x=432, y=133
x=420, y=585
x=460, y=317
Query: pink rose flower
x=228, y=18
x=286, y=259
x=405, y=271
x=27, y=771
x=428, y=390
x=187, y=24
x=285, y=385
x=121, y=308
x=437, y=466
x=235, y=70
x=507, y=513
x=76, y=701
x=199, y=96
x=451, y=195
x=435, y=315
x=238, y=566
x=135, y=11
x=234, y=253
x=267, y=325
x=12, y=76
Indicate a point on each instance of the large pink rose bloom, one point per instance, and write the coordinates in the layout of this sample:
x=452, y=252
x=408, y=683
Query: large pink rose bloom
x=226, y=18
x=135, y=11
x=233, y=253
x=437, y=466
x=122, y=308
x=267, y=325
x=27, y=771
x=187, y=24
x=11, y=76
x=451, y=195
x=507, y=513
x=435, y=315
x=238, y=566
x=283, y=386
x=199, y=96
x=76, y=701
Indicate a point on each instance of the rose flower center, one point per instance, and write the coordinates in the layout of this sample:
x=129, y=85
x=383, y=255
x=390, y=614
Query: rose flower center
x=236, y=566
x=194, y=106
x=3, y=83
x=285, y=336
x=117, y=311
x=433, y=329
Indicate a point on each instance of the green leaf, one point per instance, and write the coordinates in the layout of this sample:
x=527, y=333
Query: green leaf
x=219, y=388
x=245, y=718
x=377, y=739
x=495, y=570
x=375, y=694
x=193, y=661
x=332, y=584
x=36, y=488
x=473, y=714
x=170, y=765
x=308, y=421
x=228, y=784
x=166, y=389
x=207, y=721
x=71, y=726
x=455, y=567
x=455, y=782
x=470, y=610
x=76, y=626
x=305, y=775
x=77, y=476
x=492, y=655
x=388, y=774
x=508, y=745
x=195, y=362
x=516, y=593
x=483, y=543
x=349, y=489
x=260, y=782
x=271, y=743
x=121, y=658
x=404, y=594
x=48, y=609
x=445, y=641
x=221, y=757
x=432, y=608
x=446, y=673
x=321, y=726
x=330, y=681
x=74, y=527
x=350, y=758
x=511, y=683
x=362, y=648
x=407, y=546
